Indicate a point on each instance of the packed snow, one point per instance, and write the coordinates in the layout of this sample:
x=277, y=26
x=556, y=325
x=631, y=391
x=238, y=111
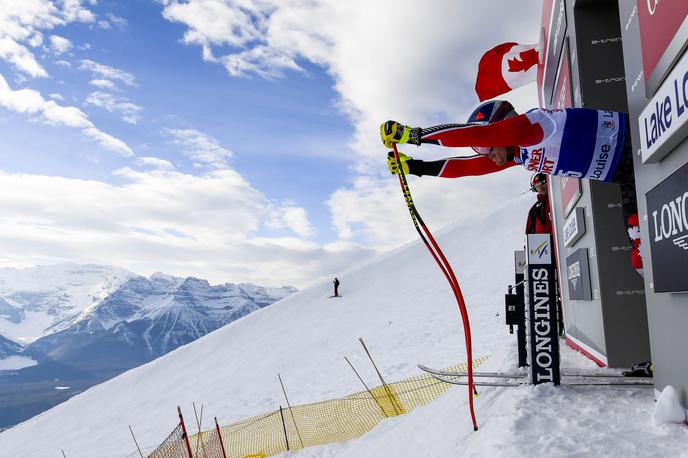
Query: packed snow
x=401, y=305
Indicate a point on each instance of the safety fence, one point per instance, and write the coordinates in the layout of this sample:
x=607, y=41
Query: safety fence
x=308, y=425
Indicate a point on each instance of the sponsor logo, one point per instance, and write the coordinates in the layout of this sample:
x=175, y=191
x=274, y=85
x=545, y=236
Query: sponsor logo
x=560, y=21
x=541, y=250
x=538, y=162
x=635, y=292
x=605, y=41
x=652, y=6
x=637, y=80
x=665, y=114
x=574, y=274
x=671, y=221
x=630, y=18
x=618, y=79
x=542, y=327
x=600, y=162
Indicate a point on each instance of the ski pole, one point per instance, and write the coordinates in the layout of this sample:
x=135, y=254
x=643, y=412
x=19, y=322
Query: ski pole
x=448, y=272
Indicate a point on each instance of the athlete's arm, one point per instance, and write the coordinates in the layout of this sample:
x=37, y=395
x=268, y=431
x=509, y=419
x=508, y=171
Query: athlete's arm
x=516, y=131
x=456, y=167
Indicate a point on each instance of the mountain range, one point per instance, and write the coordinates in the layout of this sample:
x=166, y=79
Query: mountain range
x=86, y=324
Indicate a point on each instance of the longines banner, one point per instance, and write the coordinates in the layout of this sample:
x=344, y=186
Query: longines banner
x=542, y=311
x=667, y=209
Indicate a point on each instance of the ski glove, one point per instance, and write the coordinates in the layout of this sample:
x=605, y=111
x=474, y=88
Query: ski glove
x=394, y=167
x=393, y=132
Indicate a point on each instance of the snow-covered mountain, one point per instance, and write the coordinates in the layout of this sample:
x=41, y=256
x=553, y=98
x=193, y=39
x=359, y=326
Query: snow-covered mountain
x=99, y=321
x=147, y=317
x=9, y=348
x=35, y=300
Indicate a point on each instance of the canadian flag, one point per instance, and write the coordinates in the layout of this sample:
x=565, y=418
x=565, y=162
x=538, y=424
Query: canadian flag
x=506, y=67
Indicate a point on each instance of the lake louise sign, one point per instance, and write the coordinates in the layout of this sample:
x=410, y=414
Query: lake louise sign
x=664, y=121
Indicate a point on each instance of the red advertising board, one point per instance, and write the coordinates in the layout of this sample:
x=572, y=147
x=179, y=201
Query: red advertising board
x=663, y=34
x=552, y=34
x=562, y=88
x=570, y=187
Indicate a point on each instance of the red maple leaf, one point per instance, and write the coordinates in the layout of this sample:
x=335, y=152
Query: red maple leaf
x=527, y=59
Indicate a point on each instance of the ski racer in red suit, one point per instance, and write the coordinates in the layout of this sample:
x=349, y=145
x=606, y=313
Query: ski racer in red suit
x=574, y=142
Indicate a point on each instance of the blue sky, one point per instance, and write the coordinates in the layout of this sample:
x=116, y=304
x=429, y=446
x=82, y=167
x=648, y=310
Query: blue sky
x=231, y=140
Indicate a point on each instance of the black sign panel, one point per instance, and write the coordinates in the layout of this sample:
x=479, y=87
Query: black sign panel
x=542, y=313
x=667, y=213
x=578, y=275
x=544, y=338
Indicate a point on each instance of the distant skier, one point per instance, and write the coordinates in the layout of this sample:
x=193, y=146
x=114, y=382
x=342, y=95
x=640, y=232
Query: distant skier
x=539, y=220
x=336, y=287
x=574, y=142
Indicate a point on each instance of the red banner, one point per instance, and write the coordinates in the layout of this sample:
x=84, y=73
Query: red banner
x=660, y=22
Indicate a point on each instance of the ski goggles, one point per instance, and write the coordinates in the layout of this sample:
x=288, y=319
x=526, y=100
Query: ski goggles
x=484, y=150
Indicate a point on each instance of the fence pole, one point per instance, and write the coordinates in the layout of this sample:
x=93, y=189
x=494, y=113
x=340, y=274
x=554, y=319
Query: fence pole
x=366, y=387
x=384, y=384
x=198, y=424
x=186, y=435
x=284, y=426
x=290, y=411
x=219, y=436
x=135, y=441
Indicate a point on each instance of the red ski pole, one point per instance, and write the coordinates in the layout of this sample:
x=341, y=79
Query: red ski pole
x=448, y=272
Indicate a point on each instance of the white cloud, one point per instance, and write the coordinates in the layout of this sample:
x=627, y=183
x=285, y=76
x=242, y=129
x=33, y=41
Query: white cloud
x=103, y=84
x=206, y=225
x=411, y=61
x=200, y=147
x=59, y=44
x=29, y=101
x=56, y=96
x=108, y=72
x=117, y=20
x=156, y=163
x=293, y=217
x=21, y=23
x=22, y=59
x=129, y=111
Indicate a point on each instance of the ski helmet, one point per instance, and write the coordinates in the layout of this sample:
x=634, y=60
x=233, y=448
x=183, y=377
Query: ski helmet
x=487, y=113
x=536, y=179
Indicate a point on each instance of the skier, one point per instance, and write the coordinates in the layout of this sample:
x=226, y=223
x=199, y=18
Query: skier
x=539, y=221
x=336, y=287
x=574, y=142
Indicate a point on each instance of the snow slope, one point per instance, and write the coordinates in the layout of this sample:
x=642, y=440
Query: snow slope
x=401, y=305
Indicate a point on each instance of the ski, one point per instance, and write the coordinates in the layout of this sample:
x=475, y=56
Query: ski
x=453, y=381
x=601, y=383
x=516, y=383
x=444, y=373
x=518, y=375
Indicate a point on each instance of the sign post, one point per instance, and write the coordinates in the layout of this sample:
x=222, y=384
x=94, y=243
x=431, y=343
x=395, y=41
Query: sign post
x=541, y=293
